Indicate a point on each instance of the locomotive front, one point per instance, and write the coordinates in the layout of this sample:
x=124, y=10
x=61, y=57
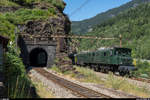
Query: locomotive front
x=125, y=61
x=124, y=56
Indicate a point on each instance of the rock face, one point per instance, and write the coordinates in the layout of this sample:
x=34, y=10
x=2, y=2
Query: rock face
x=58, y=24
x=37, y=23
x=64, y=63
x=51, y=26
x=8, y=9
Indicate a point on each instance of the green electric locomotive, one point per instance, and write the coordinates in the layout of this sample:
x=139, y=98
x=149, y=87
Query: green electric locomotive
x=115, y=59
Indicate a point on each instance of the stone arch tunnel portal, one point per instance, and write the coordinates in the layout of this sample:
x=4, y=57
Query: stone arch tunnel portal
x=38, y=57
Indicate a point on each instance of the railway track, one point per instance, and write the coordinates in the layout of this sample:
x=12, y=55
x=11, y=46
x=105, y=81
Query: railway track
x=75, y=88
x=132, y=78
x=141, y=79
x=137, y=79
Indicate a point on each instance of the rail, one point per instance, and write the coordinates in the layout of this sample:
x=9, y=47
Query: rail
x=80, y=90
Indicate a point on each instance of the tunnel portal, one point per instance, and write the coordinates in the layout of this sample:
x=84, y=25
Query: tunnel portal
x=38, y=57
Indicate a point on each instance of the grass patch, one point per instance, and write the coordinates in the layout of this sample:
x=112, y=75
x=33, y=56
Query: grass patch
x=19, y=88
x=56, y=60
x=123, y=85
x=6, y=28
x=89, y=74
x=66, y=58
x=143, y=70
x=112, y=81
x=42, y=90
x=55, y=68
x=17, y=83
x=7, y=3
x=21, y=16
x=56, y=3
x=85, y=74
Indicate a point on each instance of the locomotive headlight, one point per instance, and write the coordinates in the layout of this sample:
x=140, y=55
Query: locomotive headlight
x=121, y=62
x=134, y=62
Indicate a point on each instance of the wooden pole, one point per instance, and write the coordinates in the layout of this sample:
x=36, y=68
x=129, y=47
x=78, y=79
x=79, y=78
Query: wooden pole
x=120, y=40
x=70, y=36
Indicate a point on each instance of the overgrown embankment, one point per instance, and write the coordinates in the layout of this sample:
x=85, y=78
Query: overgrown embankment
x=17, y=83
x=31, y=17
x=87, y=75
x=143, y=70
x=132, y=24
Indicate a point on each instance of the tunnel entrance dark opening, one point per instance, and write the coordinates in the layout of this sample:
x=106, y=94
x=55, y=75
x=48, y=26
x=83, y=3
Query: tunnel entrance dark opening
x=38, y=58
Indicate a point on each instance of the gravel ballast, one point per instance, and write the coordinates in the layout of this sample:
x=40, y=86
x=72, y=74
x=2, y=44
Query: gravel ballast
x=58, y=91
x=98, y=88
x=61, y=92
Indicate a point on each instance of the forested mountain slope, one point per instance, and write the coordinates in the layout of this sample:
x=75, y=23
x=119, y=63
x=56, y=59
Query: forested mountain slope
x=81, y=27
x=133, y=25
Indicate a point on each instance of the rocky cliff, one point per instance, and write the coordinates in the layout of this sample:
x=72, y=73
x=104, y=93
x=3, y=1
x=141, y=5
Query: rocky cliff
x=33, y=17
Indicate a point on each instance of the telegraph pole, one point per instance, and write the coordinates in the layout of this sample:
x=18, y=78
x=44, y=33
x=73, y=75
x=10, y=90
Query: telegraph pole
x=120, y=40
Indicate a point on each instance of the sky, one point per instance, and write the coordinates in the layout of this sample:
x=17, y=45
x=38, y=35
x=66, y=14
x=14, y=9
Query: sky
x=78, y=10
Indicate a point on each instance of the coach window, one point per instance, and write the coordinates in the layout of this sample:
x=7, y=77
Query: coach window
x=111, y=53
x=97, y=54
x=93, y=54
x=104, y=53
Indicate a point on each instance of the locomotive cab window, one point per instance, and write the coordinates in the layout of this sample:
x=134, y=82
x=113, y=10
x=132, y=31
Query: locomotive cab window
x=123, y=52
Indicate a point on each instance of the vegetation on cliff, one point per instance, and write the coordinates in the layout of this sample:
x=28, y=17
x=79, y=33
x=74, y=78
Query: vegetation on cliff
x=17, y=82
x=133, y=25
x=6, y=3
x=56, y=3
x=82, y=27
x=23, y=15
x=28, y=12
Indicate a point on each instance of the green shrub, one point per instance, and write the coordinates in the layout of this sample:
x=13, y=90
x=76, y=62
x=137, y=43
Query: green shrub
x=6, y=28
x=114, y=81
x=23, y=2
x=56, y=3
x=132, y=24
x=56, y=68
x=8, y=3
x=17, y=82
x=143, y=70
x=21, y=16
x=88, y=75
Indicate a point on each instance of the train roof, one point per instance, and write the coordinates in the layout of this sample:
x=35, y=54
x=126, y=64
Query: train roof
x=105, y=48
x=108, y=48
x=101, y=49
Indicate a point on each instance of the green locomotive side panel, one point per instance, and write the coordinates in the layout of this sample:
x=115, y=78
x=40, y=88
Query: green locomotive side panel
x=105, y=57
x=109, y=56
x=84, y=58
